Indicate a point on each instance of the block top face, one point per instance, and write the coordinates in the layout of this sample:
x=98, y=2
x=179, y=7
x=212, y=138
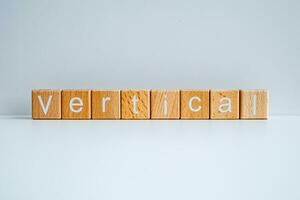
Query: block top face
x=255, y=90
x=46, y=104
x=76, y=104
x=165, y=104
x=224, y=104
x=135, y=104
x=106, y=104
x=254, y=104
x=194, y=104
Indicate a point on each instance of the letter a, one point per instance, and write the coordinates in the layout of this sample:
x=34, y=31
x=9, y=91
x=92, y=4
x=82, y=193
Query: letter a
x=227, y=105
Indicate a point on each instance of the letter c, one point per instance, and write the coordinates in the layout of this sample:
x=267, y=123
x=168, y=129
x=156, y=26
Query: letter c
x=191, y=104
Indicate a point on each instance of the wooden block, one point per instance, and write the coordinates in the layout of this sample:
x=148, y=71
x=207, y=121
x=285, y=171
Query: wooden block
x=194, y=104
x=106, y=104
x=224, y=104
x=135, y=104
x=46, y=104
x=165, y=104
x=76, y=104
x=254, y=104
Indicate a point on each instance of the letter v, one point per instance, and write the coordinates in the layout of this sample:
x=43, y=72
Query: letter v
x=45, y=108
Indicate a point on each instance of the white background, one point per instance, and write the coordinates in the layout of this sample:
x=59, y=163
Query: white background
x=149, y=44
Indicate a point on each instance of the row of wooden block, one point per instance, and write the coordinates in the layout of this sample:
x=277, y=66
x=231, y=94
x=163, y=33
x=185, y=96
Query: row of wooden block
x=150, y=104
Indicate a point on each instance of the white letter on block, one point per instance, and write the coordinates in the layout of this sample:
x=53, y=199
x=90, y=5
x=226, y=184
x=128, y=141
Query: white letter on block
x=254, y=105
x=79, y=103
x=191, y=104
x=104, y=100
x=165, y=105
x=45, y=108
x=225, y=105
x=134, y=102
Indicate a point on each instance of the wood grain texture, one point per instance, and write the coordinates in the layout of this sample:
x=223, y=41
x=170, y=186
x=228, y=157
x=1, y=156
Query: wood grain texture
x=165, y=104
x=254, y=104
x=106, y=104
x=141, y=109
x=53, y=97
x=198, y=100
x=84, y=110
x=217, y=100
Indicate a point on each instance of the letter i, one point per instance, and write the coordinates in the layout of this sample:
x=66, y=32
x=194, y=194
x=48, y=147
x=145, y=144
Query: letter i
x=165, y=105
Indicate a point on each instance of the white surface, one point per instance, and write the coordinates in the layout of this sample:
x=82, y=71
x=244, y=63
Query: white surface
x=228, y=160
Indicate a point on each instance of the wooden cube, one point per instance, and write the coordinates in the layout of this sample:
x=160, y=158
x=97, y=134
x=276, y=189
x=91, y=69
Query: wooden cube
x=254, y=104
x=194, y=104
x=106, y=104
x=46, y=104
x=135, y=104
x=165, y=104
x=76, y=104
x=224, y=104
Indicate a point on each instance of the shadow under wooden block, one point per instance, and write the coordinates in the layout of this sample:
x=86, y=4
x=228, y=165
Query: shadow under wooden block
x=106, y=104
x=224, y=104
x=165, y=104
x=76, y=104
x=135, y=104
x=254, y=104
x=46, y=104
x=194, y=104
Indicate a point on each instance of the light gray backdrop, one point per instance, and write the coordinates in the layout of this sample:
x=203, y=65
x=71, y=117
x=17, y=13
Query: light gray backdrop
x=149, y=44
